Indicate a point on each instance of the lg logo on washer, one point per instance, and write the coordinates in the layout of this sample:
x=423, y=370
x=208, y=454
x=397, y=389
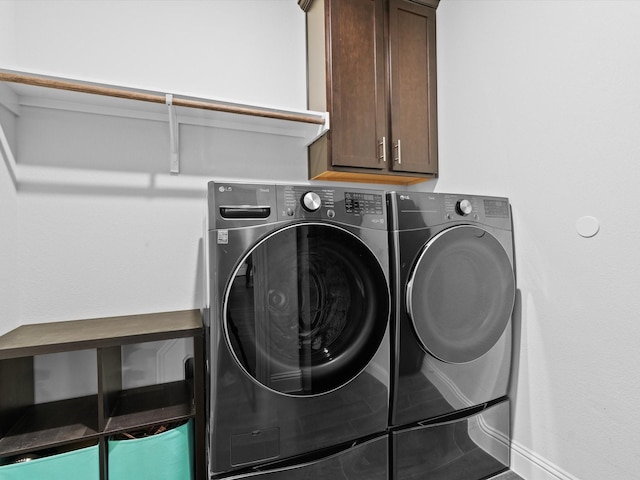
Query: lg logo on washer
x=223, y=189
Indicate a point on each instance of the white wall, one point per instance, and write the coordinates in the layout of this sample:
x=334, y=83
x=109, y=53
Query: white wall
x=9, y=281
x=245, y=50
x=539, y=101
x=91, y=232
x=7, y=31
x=9, y=271
x=91, y=245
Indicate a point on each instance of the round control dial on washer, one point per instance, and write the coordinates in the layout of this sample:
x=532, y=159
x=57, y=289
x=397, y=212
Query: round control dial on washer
x=311, y=201
x=464, y=207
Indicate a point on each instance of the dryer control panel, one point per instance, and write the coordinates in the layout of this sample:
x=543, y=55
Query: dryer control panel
x=475, y=207
x=417, y=210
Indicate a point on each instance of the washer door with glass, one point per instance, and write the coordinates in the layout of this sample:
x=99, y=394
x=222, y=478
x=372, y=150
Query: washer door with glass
x=461, y=293
x=306, y=309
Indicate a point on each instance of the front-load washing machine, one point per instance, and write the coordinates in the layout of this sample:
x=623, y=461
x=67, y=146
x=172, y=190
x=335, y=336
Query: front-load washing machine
x=454, y=284
x=298, y=340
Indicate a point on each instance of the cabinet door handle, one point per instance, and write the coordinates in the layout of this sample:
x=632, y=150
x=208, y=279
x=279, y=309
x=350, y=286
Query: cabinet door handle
x=398, y=149
x=383, y=145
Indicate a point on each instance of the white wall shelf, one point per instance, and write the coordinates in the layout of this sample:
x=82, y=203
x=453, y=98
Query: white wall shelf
x=19, y=90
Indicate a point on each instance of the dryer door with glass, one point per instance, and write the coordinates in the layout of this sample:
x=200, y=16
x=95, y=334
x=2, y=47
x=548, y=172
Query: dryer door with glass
x=306, y=309
x=460, y=294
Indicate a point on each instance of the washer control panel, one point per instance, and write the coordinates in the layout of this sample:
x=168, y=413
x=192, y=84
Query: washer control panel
x=361, y=203
x=351, y=206
x=311, y=201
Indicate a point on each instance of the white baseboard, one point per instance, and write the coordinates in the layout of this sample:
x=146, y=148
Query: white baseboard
x=527, y=464
x=531, y=466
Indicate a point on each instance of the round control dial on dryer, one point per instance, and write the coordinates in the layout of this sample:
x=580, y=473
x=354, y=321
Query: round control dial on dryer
x=311, y=201
x=464, y=207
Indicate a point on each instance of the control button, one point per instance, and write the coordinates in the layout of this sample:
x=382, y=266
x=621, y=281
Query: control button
x=464, y=207
x=290, y=212
x=311, y=201
x=331, y=213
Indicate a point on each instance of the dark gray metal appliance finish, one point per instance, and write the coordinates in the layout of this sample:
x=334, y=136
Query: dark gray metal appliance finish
x=471, y=447
x=298, y=323
x=454, y=292
x=365, y=460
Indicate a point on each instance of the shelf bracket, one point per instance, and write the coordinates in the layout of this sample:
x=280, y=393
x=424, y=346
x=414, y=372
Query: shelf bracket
x=174, y=146
x=7, y=154
x=321, y=129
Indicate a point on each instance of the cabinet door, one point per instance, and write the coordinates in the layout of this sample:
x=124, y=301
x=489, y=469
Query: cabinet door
x=356, y=67
x=412, y=43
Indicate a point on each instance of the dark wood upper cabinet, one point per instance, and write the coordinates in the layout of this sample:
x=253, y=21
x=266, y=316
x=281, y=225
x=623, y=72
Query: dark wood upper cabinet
x=413, y=79
x=372, y=66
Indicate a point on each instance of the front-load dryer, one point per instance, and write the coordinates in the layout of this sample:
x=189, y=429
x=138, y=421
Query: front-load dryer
x=454, y=290
x=298, y=340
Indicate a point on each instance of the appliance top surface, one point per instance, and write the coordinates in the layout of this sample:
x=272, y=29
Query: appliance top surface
x=414, y=210
x=237, y=205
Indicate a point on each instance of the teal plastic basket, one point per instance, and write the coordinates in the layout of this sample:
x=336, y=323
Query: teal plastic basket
x=166, y=456
x=83, y=463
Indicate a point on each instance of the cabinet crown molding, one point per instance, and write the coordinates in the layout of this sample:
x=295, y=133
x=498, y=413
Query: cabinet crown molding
x=305, y=5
